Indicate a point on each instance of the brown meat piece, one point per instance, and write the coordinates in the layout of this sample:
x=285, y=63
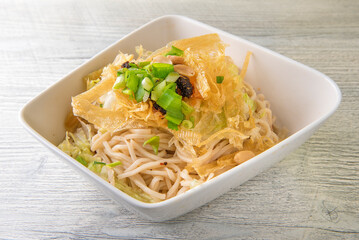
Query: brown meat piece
x=159, y=108
x=184, y=87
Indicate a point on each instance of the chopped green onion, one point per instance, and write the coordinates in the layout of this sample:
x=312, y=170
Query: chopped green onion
x=171, y=86
x=145, y=96
x=169, y=98
x=154, y=142
x=148, y=67
x=133, y=65
x=147, y=84
x=174, y=109
x=172, y=103
x=173, y=119
x=120, y=82
x=154, y=96
x=175, y=51
x=174, y=113
x=128, y=92
x=187, y=124
x=172, y=126
x=132, y=82
x=140, y=93
x=102, y=163
x=137, y=71
x=114, y=164
x=142, y=64
x=158, y=90
x=220, y=79
x=81, y=160
x=172, y=77
x=186, y=108
x=121, y=71
x=101, y=105
x=127, y=74
x=161, y=70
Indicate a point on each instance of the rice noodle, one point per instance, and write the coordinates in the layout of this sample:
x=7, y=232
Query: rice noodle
x=160, y=176
x=163, y=176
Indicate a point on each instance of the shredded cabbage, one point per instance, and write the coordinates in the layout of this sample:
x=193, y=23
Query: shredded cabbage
x=78, y=145
x=92, y=79
x=136, y=193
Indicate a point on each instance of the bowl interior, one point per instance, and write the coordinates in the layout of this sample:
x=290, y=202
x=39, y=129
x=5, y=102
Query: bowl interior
x=298, y=95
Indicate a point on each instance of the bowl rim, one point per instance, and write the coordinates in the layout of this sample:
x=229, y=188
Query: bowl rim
x=226, y=174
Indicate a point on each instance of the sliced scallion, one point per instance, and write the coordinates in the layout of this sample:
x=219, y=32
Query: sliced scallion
x=186, y=108
x=158, y=90
x=145, y=96
x=219, y=79
x=187, y=124
x=137, y=71
x=169, y=99
x=133, y=65
x=101, y=163
x=172, y=126
x=128, y=92
x=120, y=82
x=147, y=84
x=132, y=82
x=114, y=164
x=174, y=116
x=154, y=142
x=142, y=64
x=171, y=86
x=121, y=71
x=148, y=67
x=172, y=103
x=140, y=93
x=161, y=70
x=175, y=51
x=172, y=77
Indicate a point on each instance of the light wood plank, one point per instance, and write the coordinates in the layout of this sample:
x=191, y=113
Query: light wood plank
x=312, y=194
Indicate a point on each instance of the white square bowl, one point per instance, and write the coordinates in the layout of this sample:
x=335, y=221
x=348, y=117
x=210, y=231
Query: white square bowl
x=301, y=98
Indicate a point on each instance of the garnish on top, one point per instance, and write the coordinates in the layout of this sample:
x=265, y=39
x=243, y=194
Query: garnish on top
x=158, y=81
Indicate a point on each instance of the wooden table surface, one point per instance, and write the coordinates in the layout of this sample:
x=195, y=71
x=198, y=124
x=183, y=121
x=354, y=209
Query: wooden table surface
x=312, y=194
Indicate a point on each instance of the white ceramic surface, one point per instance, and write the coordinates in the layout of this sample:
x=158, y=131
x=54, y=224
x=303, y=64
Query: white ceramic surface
x=301, y=98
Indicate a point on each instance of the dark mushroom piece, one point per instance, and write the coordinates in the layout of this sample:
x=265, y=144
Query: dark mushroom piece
x=184, y=87
x=159, y=108
x=125, y=65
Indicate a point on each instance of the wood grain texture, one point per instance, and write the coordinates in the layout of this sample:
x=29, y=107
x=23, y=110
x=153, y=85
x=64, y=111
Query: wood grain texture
x=311, y=194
